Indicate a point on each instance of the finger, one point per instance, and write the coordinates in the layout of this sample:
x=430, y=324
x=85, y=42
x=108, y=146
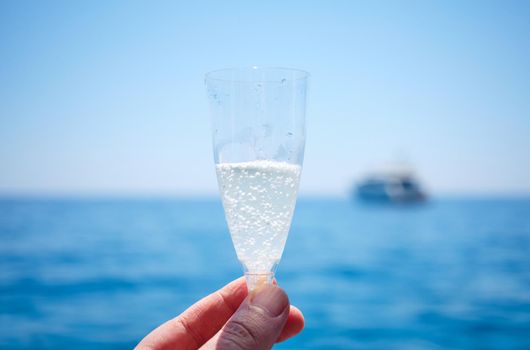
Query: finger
x=295, y=322
x=293, y=326
x=258, y=322
x=200, y=322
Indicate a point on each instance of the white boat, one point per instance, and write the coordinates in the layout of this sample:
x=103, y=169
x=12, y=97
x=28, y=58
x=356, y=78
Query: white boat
x=392, y=185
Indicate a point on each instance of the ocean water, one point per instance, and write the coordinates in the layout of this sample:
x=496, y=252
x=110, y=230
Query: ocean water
x=100, y=274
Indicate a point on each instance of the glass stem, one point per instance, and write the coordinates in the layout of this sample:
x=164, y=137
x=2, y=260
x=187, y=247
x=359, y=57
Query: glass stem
x=256, y=280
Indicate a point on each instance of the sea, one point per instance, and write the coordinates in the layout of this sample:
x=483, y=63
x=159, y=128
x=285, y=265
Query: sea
x=101, y=273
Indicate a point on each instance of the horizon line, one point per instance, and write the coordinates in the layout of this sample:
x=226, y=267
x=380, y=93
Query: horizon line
x=81, y=195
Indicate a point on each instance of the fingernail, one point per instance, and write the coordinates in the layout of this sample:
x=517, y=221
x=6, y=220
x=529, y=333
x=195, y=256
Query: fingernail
x=271, y=299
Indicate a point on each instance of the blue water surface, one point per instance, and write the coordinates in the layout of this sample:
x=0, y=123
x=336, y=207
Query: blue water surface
x=101, y=273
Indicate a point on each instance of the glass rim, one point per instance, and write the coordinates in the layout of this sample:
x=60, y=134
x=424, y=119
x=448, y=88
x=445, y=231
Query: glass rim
x=211, y=74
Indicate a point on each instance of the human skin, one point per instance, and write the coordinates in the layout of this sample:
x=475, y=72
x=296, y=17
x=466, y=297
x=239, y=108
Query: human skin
x=230, y=318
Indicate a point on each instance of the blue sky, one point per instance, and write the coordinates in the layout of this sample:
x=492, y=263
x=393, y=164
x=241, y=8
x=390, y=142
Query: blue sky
x=107, y=96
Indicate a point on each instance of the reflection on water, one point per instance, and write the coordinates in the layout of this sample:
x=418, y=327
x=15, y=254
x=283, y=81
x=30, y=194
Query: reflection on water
x=90, y=274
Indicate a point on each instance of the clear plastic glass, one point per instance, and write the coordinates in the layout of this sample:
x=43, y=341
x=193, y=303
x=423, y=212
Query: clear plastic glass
x=258, y=117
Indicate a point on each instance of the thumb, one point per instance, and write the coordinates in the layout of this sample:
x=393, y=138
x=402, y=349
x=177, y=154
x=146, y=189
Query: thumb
x=258, y=322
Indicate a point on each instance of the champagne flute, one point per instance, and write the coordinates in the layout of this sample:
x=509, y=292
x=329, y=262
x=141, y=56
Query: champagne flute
x=258, y=116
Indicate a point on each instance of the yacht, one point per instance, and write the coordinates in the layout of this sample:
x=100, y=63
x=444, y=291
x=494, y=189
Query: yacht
x=398, y=185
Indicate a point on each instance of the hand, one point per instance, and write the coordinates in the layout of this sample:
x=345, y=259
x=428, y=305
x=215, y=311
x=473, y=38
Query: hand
x=230, y=319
